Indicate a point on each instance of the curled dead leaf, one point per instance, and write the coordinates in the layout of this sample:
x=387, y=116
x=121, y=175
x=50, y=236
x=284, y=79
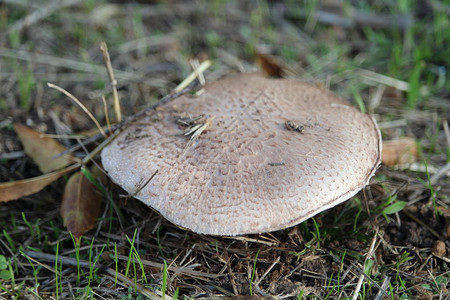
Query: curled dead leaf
x=43, y=150
x=399, y=152
x=81, y=205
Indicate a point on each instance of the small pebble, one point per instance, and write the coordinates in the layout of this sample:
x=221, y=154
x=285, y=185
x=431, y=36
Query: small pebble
x=438, y=248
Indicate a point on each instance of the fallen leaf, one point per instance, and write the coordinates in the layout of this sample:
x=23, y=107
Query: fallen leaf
x=81, y=205
x=43, y=150
x=399, y=152
x=17, y=189
x=270, y=65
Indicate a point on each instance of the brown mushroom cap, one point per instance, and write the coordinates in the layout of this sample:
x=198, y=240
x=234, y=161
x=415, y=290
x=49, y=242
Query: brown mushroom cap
x=247, y=173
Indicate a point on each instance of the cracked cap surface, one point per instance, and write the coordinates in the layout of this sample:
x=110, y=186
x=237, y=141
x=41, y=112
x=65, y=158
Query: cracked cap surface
x=247, y=172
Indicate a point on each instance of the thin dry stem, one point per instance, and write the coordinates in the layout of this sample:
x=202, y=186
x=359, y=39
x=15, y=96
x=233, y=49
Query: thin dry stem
x=417, y=220
x=195, y=66
x=188, y=80
x=447, y=132
x=79, y=104
x=105, y=107
x=62, y=136
x=104, y=49
x=362, y=275
x=267, y=271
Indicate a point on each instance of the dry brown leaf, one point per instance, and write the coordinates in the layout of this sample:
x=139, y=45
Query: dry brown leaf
x=81, y=205
x=16, y=189
x=270, y=65
x=43, y=150
x=399, y=152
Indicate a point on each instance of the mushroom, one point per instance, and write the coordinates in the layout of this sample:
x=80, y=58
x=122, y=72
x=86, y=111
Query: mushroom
x=268, y=154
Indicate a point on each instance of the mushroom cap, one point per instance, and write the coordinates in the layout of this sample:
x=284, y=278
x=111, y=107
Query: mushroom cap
x=247, y=173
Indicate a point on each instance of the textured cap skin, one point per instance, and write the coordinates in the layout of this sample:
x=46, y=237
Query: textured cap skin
x=247, y=172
